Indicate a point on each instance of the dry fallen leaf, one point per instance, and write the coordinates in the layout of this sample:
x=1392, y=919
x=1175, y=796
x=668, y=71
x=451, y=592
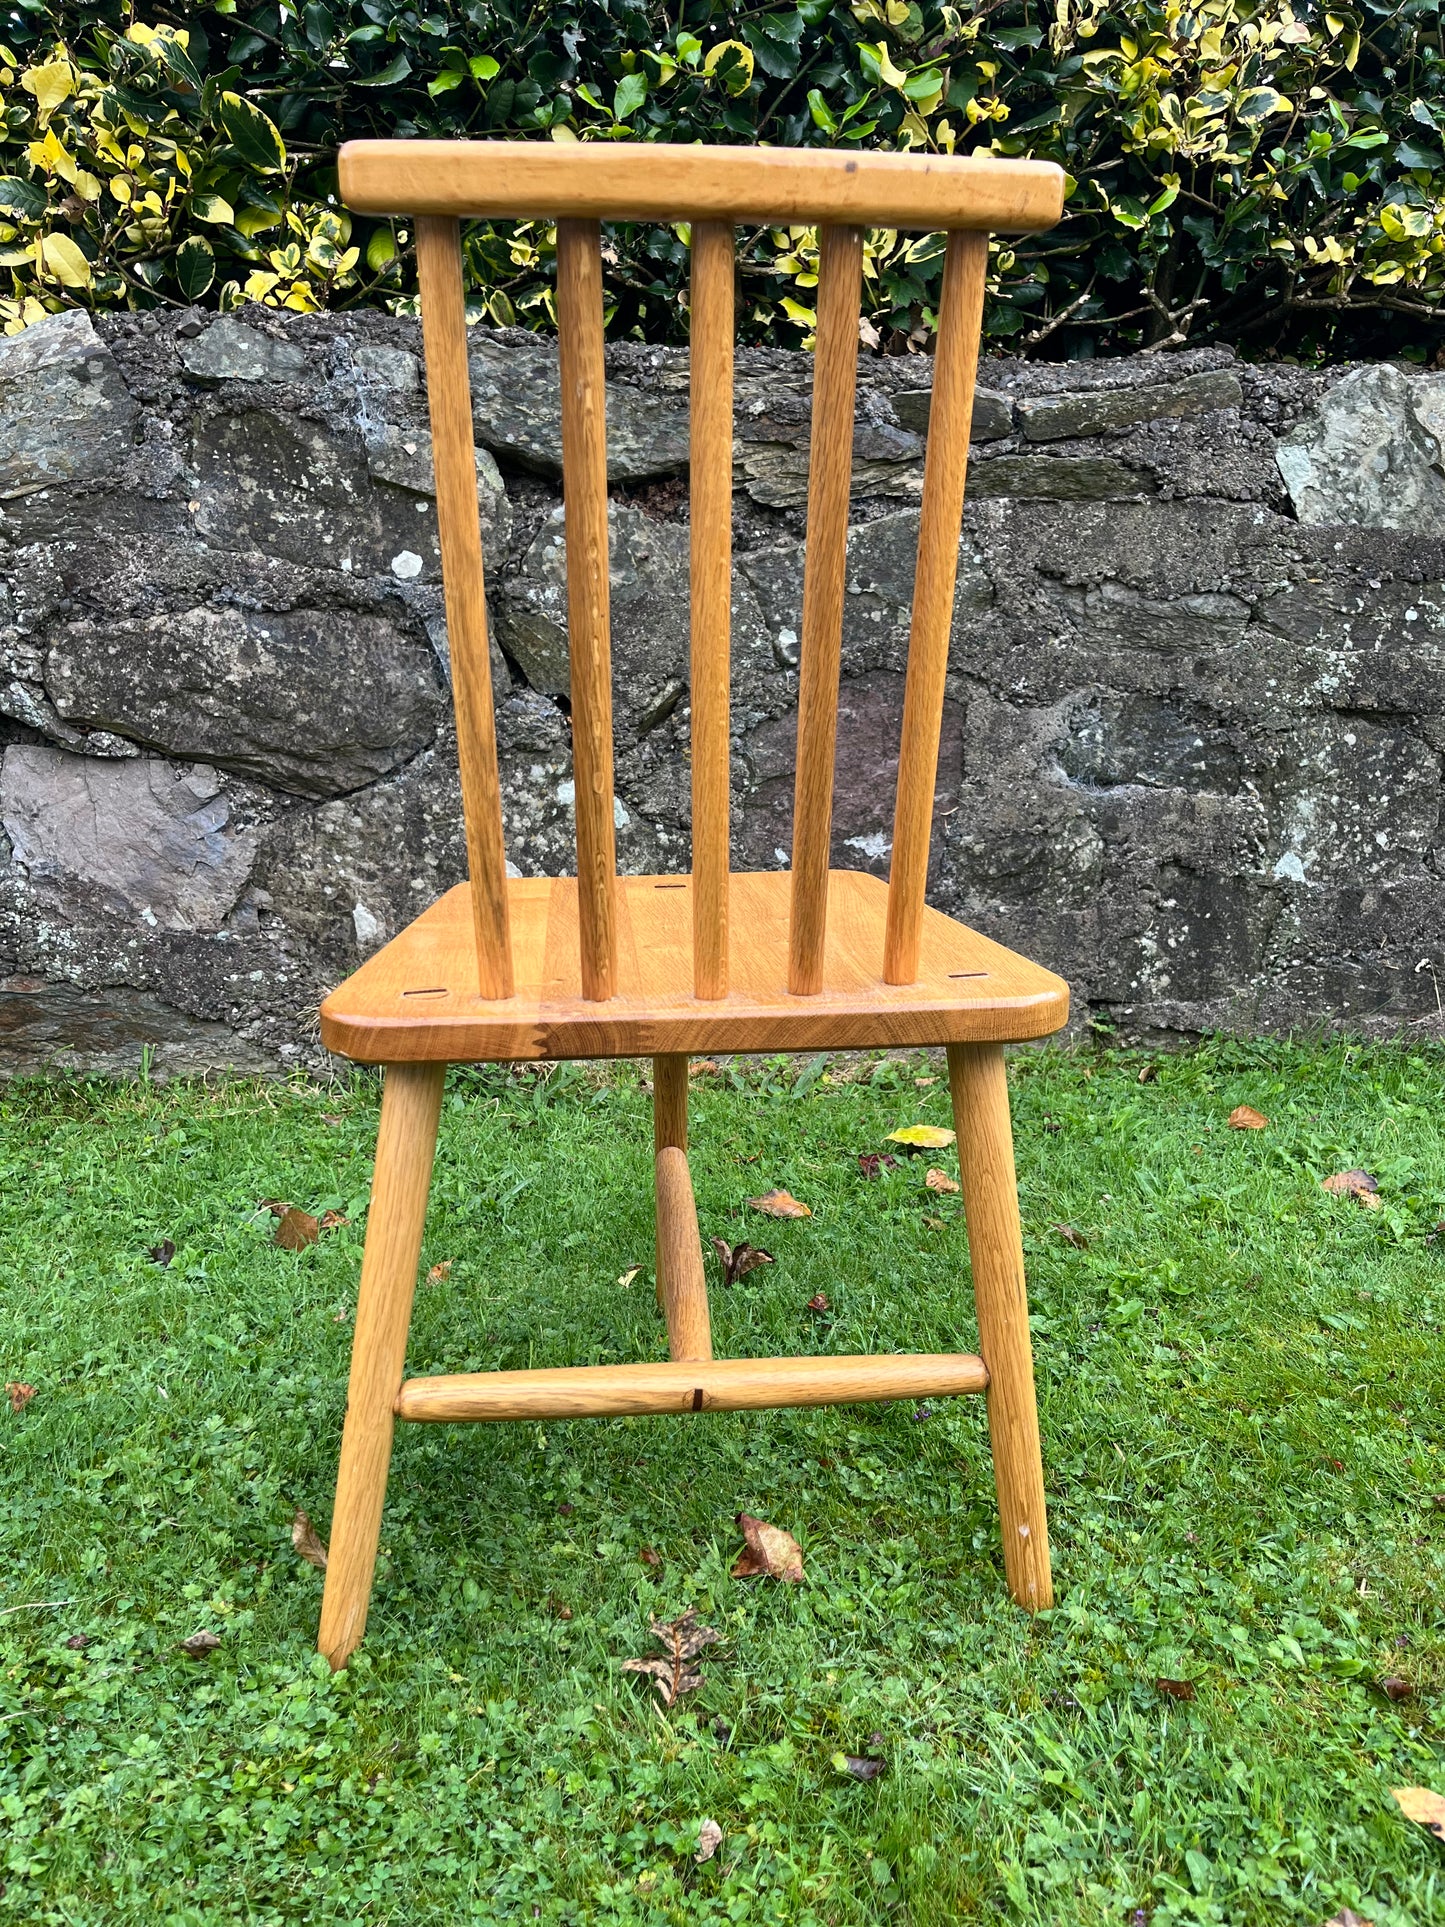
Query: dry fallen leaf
x=818, y=1302
x=682, y=1640
x=709, y=1839
x=162, y=1253
x=1244, y=1117
x=329, y=1220
x=439, y=1271
x=20, y=1394
x=649, y=1557
x=1175, y=1689
x=922, y=1137
x=1347, y=1917
x=199, y=1644
x=858, y=1766
x=738, y=1260
x=934, y=1224
x=307, y=1541
x=626, y=1277
x=1354, y=1184
x=870, y=1163
x=781, y=1204
x=295, y=1229
x=1418, y=1803
x=924, y=1082
x=1395, y=1688
x=937, y=1180
x=1071, y=1236
x=704, y=1067
x=1149, y=1074
x=769, y=1552
x=77, y=1642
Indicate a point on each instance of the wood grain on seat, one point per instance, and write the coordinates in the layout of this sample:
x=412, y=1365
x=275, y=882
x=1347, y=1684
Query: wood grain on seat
x=416, y=1000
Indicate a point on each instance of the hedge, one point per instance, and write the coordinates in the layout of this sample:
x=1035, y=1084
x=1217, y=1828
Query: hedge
x=1268, y=173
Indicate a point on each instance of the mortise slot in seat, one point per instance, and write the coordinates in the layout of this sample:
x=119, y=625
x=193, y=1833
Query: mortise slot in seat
x=719, y=1385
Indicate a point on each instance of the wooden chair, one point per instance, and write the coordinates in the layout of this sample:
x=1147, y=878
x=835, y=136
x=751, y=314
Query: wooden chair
x=606, y=966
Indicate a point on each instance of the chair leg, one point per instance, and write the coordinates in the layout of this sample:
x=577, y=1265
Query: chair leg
x=990, y=1200
x=405, y=1146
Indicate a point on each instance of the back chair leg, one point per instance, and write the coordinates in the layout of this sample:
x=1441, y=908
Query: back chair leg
x=406, y=1144
x=979, y=1087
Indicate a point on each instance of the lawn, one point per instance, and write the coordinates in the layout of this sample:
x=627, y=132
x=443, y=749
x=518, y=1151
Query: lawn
x=1241, y=1382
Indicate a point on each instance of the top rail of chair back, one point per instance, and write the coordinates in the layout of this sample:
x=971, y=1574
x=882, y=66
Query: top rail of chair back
x=653, y=181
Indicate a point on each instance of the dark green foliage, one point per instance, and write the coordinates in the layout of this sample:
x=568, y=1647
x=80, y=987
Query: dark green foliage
x=1269, y=171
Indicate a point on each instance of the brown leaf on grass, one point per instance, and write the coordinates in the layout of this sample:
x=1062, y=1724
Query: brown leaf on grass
x=937, y=1180
x=632, y=1272
x=682, y=1640
x=916, y=1138
x=934, y=1224
x=1149, y=1074
x=857, y=1766
x=1244, y=1117
x=768, y=1552
x=162, y=1253
x=1434, y=1237
x=1347, y=1917
x=871, y=1163
x=1071, y=1236
x=77, y=1642
x=332, y=1117
x=1396, y=1689
x=818, y=1302
x=442, y=1269
x=924, y=1082
x=296, y=1229
x=781, y=1204
x=704, y=1067
x=307, y=1541
x=649, y=1556
x=1175, y=1689
x=709, y=1839
x=738, y=1260
x=329, y=1220
x=19, y=1394
x=200, y=1644
x=1425, y=1807
x=1354, y=1184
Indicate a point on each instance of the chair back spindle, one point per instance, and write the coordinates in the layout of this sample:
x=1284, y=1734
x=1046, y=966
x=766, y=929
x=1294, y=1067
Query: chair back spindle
x=710, y=485
x=830, y=465
x=584, y=483
x=955, y=365
x=444, y=332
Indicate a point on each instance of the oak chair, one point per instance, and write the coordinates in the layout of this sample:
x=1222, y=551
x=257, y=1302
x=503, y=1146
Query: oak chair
x=601, y=965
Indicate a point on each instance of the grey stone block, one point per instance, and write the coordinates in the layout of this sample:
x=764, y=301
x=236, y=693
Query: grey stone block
x=517, y=410
x=1056, y=478
x=234, y=350
x=1366, y=458
x=65, y=413
x=316, y=701
x=1093, y=411
x=154, y=838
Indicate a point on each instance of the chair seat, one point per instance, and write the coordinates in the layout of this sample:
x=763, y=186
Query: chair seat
x=415, y=1001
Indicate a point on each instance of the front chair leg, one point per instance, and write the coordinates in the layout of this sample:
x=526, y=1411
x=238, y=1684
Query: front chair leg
x=406, y=1143
x=979, y=1087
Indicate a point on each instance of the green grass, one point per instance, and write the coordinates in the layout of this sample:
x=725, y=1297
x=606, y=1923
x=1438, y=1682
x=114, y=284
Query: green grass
x=1241, y=1388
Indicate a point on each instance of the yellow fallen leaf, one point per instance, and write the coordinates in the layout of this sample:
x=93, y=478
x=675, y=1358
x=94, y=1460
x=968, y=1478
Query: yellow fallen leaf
x=923, y=1137
x=781, y=1204
x=632, y=1271
x=1244, y=1117
x=1425, y=1807
x=937, y=1180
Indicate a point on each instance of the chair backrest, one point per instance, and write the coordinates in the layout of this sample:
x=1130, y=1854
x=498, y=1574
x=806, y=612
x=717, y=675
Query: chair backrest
x=436, y=183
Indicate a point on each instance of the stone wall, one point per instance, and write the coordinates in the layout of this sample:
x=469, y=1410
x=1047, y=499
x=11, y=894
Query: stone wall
x=1191, y=754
